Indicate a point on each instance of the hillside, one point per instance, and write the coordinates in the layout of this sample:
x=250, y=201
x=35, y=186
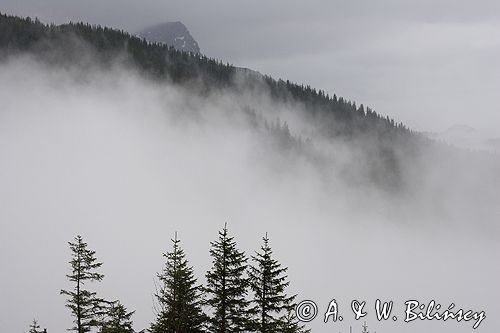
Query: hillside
x=57, y=44
x=387, y=148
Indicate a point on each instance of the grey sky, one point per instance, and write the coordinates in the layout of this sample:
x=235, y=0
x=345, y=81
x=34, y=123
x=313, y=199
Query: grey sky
x=430, y=64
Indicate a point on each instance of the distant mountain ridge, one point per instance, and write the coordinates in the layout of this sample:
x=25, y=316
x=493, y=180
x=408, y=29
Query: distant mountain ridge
x=172, y=34
x=333, y=118
x=63, y=44
x=464, y=136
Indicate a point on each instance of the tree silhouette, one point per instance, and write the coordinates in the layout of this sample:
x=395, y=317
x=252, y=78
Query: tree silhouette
x=85, y=306
x=179, y=296
x=35, y=328
x=117, y=320
x=226, y=287
x=291, y=324
x=272, y=307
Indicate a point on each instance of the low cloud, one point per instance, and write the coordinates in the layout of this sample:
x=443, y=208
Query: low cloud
x=126, y=162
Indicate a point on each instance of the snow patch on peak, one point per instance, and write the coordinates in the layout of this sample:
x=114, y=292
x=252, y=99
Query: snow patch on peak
x=172, y=34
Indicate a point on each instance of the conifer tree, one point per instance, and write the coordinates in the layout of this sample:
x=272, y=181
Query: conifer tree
x=179, y=296
x=118, y=320
x=85, y=306
x=227, y=286
x=272, y=307
x=35, y=328
x=291, y=324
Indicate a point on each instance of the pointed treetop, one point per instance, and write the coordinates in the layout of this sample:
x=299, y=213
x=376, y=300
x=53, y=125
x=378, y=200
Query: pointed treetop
x=34, y=327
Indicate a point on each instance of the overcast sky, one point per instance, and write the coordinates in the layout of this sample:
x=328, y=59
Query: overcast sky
x=430, y=64
x=126, y=162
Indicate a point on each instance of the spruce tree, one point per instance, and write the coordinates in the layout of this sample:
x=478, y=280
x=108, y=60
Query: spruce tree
x=118, y=320
x=272, y=308
x=35, y=328
x=85, y=306
x=291, y=324
x=179, y=296
x=227, y=286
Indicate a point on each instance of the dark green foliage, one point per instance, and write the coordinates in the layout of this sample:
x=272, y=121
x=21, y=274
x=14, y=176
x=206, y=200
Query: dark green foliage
x=74, y=43
x=85, y=306
x=335, y=115
x=78, y=44
x=35, y=328
x=226, y=287
x=117, y=320
x=268, y=281
x=179, y=297
x=66, y=43
x=292, y=325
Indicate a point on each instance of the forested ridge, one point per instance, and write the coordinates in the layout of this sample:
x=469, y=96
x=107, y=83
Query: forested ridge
x=335, y=118
x=61, y=44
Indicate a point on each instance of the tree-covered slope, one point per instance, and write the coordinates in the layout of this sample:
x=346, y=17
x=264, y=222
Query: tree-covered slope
x=386, y=147
x=65, y=44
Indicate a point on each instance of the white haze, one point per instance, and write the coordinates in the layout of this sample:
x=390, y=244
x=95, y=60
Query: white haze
x=432, y=64
x=126, y=162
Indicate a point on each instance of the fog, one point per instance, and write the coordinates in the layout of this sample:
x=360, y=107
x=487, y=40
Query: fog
x=126, y=162
x=430, y=64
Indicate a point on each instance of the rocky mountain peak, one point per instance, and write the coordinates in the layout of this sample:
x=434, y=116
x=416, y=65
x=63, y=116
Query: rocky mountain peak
x=173, y=34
